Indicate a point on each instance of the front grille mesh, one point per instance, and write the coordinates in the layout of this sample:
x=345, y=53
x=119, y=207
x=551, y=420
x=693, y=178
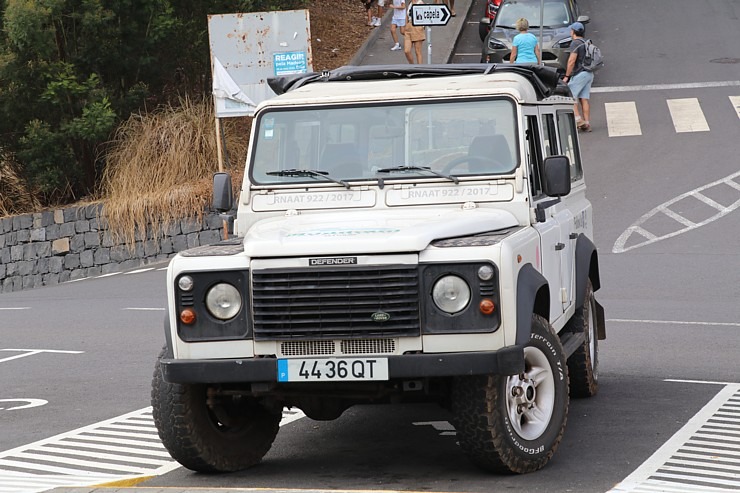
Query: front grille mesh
x=346, y=347
x=369, y=302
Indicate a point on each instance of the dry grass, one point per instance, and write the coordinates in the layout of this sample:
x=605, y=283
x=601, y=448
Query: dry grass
x=161, y=164
x=16, y=197
x=160, y=167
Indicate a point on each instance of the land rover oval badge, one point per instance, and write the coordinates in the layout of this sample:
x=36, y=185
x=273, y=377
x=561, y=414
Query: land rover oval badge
x=380, y=317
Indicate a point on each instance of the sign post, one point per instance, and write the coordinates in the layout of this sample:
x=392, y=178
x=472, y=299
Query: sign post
x=430, y=15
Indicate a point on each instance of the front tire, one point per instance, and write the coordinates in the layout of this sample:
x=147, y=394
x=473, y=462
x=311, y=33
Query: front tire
x=515, y=423
x=583, y=364
x=206, y=431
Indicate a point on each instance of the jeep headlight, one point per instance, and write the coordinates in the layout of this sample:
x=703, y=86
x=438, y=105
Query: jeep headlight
x=223, y=301
x=451, y=294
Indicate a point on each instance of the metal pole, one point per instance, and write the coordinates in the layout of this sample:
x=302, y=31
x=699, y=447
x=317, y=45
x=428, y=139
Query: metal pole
x=429, y=44
x=542, y=21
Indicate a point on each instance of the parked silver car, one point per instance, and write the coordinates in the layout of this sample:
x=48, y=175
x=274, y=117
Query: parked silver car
x=553, y=35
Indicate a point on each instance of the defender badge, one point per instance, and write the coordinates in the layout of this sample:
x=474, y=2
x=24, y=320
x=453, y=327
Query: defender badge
x=380, y=317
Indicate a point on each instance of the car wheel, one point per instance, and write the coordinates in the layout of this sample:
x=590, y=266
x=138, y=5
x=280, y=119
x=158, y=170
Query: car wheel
x=207, y=431
x=583, y=364
x=515, y=423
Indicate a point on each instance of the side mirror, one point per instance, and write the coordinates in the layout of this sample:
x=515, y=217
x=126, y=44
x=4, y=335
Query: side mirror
x=557, y=176
x=223, y=197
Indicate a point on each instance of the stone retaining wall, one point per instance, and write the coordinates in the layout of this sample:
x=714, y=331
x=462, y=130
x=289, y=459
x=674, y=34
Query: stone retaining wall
x=50, y=247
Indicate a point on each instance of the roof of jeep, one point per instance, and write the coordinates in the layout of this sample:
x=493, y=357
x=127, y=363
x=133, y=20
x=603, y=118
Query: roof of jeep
x=381, y=83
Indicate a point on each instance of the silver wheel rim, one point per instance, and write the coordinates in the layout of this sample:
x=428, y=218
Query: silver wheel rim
x=530, y=396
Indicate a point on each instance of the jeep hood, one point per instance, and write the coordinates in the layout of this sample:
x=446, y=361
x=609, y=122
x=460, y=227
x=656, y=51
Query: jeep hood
x=367, y=232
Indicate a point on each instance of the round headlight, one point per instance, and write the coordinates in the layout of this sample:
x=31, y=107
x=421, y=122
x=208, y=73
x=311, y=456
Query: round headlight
x=451, y=294
x=223, y=301
x=185, y=283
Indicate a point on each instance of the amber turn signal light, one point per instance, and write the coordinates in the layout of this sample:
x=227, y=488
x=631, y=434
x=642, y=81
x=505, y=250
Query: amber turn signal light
x=187, y=316
x=486, y=306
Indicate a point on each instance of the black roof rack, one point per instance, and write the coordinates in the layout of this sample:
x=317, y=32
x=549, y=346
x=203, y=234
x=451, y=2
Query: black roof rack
x=545, y=80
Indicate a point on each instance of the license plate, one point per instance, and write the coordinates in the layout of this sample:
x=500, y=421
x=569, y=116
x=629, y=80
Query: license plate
x=332, y=369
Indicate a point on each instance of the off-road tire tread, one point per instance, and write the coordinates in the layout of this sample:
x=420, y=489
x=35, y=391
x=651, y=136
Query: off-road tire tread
x=175, y=416
x=583, y=382
x=479, y=423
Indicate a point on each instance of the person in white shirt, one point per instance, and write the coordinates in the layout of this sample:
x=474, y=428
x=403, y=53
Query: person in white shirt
x=398, y=19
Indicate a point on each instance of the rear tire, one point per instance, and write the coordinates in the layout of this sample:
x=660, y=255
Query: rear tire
x=223, y=433
x=515, y=423
x=583, y=364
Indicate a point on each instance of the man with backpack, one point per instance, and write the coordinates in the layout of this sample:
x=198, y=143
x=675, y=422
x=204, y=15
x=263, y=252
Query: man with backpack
x=579, y=79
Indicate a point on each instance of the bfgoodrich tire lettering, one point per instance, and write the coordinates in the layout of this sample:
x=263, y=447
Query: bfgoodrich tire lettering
x=583, y=364
x=222, y=433
x=515, y=424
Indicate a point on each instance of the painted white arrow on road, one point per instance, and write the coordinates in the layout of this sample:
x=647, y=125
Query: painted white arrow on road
x=29, y=403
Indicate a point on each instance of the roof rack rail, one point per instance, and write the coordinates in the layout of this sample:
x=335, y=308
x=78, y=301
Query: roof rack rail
x=545, y=80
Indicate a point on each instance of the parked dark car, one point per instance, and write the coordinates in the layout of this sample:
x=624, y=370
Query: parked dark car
x=554, y=35
x=488, y=16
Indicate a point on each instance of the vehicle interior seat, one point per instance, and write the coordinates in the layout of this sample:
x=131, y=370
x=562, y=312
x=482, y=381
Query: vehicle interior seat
x=342, y=160
x=494, y=147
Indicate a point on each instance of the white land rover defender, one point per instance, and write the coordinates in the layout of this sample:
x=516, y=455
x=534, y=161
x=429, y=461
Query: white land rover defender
x=403, y=233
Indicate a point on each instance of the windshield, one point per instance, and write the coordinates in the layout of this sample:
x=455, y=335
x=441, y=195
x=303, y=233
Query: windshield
x=555, y=14
x=384, y=142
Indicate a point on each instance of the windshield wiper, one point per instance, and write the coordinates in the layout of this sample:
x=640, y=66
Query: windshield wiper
x=404, y=169
x=308, y=172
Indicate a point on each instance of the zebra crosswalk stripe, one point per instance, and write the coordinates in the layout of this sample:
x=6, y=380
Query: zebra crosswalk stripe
x=687, y=115
x=735, y=100
x=622, y=119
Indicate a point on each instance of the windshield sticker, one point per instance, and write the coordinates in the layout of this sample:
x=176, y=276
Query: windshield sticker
x=269, y=126
x=334, y=232
x=450, y=195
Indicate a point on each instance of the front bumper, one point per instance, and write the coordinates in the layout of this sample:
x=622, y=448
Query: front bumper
x=506, y=361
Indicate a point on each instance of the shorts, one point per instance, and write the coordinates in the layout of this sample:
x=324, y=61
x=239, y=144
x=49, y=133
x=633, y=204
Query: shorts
x=381, y=3
x=399, y=22
x=368, y=3
x=580, y=84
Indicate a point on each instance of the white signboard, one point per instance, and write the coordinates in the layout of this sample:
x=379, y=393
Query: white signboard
x=430, y=15
x=247, y=49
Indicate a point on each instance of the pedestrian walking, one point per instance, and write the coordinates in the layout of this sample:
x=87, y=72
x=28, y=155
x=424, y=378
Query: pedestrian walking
x=524, y=46
x=380, y=13
x=368, y=4
x=398, y=21
x=579, y=80
x=414, y=37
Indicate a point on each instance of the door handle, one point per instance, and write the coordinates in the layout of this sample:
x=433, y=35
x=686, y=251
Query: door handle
x=559, y=246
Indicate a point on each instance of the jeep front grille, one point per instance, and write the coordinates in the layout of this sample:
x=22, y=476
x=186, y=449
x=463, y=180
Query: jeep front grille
x=321, y=303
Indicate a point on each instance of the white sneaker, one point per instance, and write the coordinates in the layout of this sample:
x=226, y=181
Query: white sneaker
x=373, y=22
x=396, y=47
x=377, y=21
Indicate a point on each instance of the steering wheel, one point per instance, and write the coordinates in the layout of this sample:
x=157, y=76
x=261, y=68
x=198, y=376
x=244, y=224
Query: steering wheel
x=489, y=162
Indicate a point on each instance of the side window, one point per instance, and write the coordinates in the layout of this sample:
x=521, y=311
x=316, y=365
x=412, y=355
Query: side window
x=549, y=141
x=534, y=156
x=569, y=143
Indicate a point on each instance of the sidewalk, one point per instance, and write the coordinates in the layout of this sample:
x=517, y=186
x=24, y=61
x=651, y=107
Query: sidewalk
x=377, y=48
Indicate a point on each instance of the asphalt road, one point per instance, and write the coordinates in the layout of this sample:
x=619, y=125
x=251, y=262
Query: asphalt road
x=669, y=247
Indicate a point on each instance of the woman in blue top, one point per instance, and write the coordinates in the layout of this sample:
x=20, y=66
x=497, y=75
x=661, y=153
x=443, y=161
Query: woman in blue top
x=524, y=48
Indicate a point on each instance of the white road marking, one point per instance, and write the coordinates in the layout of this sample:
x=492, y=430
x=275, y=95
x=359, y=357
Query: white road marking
x=16, y=308
x=108, y=275
x=123, y=448
x=28, y=404
x=687, y=115
x=31, y=352
x=144, y=309
x=139, y=271
x=664, y=208
x=673, y=322
x=663, y=87
x=703, y=456
x=735, y=100
x=622, y=119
